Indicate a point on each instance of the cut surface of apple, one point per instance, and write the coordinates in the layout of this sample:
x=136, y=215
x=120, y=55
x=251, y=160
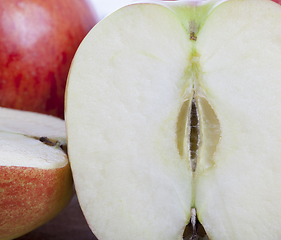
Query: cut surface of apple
x=35, y=176
x=173, y=107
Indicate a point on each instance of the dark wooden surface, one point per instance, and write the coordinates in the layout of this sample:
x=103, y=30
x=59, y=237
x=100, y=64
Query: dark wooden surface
x=70, y=224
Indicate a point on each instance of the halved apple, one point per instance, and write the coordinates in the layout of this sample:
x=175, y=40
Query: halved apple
x=173, y=110
x=35, y=176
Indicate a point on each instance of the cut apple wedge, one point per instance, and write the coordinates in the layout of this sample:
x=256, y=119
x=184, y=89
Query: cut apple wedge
x=35, y=176
x=173, y=112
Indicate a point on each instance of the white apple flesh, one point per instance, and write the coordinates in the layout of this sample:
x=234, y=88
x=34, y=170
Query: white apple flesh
x=35, y=176
x=131, y=88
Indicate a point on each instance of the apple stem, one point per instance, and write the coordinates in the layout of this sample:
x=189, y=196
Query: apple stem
x=193, y=29
x=194, y=230
x=193, y=223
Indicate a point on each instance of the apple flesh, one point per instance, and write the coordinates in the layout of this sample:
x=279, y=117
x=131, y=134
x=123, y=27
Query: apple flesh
x=36, y=180
x=174, y=109
x=38, y=40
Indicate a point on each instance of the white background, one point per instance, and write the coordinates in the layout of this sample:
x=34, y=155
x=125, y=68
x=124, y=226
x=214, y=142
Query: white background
x=105, y=7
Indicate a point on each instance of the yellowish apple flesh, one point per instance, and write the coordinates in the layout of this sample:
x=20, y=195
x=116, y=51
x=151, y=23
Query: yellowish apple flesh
x=141, y=165
x=35, y=176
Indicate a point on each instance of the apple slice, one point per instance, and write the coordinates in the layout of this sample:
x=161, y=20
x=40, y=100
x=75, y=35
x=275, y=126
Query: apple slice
x=173, y=111
x=36, y=181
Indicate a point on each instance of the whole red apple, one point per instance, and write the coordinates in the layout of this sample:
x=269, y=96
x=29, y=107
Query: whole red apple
x=38, y=40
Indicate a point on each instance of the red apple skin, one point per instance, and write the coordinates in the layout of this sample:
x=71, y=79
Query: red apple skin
x=31, y=197
x=38, y=40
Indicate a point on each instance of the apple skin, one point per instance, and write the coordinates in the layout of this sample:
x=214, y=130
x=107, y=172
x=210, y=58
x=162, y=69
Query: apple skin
x=31, y=197
x=38, y=40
